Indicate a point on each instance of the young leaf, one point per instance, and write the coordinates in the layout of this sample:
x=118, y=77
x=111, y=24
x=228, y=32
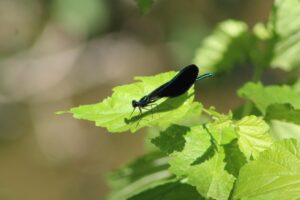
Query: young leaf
x=266, y=96
x=227, y=46
x=222, y=130
x=253, y=136
x=274, y=175
x=210, y=178
x=114, y=113
x=284, y=23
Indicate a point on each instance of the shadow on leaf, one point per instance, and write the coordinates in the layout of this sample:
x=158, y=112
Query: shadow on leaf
x=209, y=153
x=234, y=158
x=167, y=105
x=172, y=139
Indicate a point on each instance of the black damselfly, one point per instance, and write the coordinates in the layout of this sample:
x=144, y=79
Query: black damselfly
x=177, y=86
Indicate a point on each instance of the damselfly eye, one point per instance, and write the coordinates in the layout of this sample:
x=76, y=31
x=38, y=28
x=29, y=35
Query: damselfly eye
x=134, y=103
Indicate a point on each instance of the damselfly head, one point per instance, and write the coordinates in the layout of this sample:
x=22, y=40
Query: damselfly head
x=135, y=103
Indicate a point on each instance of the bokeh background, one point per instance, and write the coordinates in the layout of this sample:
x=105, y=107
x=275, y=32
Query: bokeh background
x=56, y=54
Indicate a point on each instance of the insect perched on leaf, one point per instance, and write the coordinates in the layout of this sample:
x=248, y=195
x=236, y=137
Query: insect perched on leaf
x=177, y=86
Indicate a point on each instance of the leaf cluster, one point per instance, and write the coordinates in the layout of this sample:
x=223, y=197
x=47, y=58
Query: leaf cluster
x=252, y=153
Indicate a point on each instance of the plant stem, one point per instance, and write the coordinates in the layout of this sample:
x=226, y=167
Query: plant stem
x=256, y=77
x=257, y=73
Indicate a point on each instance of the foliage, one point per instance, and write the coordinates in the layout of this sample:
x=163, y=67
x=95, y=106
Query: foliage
x=145, y=5
x=274, y=175
x=253, y=136
x=264, y=97
x=114, y=112
x=216, y=156
x=227, y=46
x=284, y=25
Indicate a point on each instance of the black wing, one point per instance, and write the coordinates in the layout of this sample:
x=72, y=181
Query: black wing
x=177, y=85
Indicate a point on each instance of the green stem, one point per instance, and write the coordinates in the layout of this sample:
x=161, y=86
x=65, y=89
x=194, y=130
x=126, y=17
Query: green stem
x=206, y=111
x=257, y=73
x=247, y=108
x=256, y=77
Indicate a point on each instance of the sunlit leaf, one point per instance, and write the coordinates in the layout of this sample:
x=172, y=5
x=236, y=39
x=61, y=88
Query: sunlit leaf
x=192, y=116
x=253, y=136
x=282, y=130
x=284, y=23
x=114, y=113
x=202, y=158
x=210, y=178
x=275, y=175
x=296, y=86
x=222, y=130
x=209, y=172
x=268, y=95
x=227, y=46
x=197, y=142
x=261, y=31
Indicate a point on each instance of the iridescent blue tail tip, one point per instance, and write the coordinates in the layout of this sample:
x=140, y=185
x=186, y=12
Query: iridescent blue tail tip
x=204, y=76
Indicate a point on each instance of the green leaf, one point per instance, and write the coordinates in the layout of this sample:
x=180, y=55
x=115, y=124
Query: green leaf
x=274, y=175
x=296, y=86
x=197, y=141
x=150, y=134
x=172, y=190
x=266, y=96
x=222, y=130
x=192, y=116
x=145, y=5
x=283, y=112
x=253, y=136
x=145, y=172
x=208, y=173
x=282, y=130
x=261, y=31
x=227, y=45
x=203, y=163
x=210, y=178
x=284, y=23
x=114, y=113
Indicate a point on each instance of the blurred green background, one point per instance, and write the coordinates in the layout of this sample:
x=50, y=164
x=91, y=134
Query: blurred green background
x=56, y=54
